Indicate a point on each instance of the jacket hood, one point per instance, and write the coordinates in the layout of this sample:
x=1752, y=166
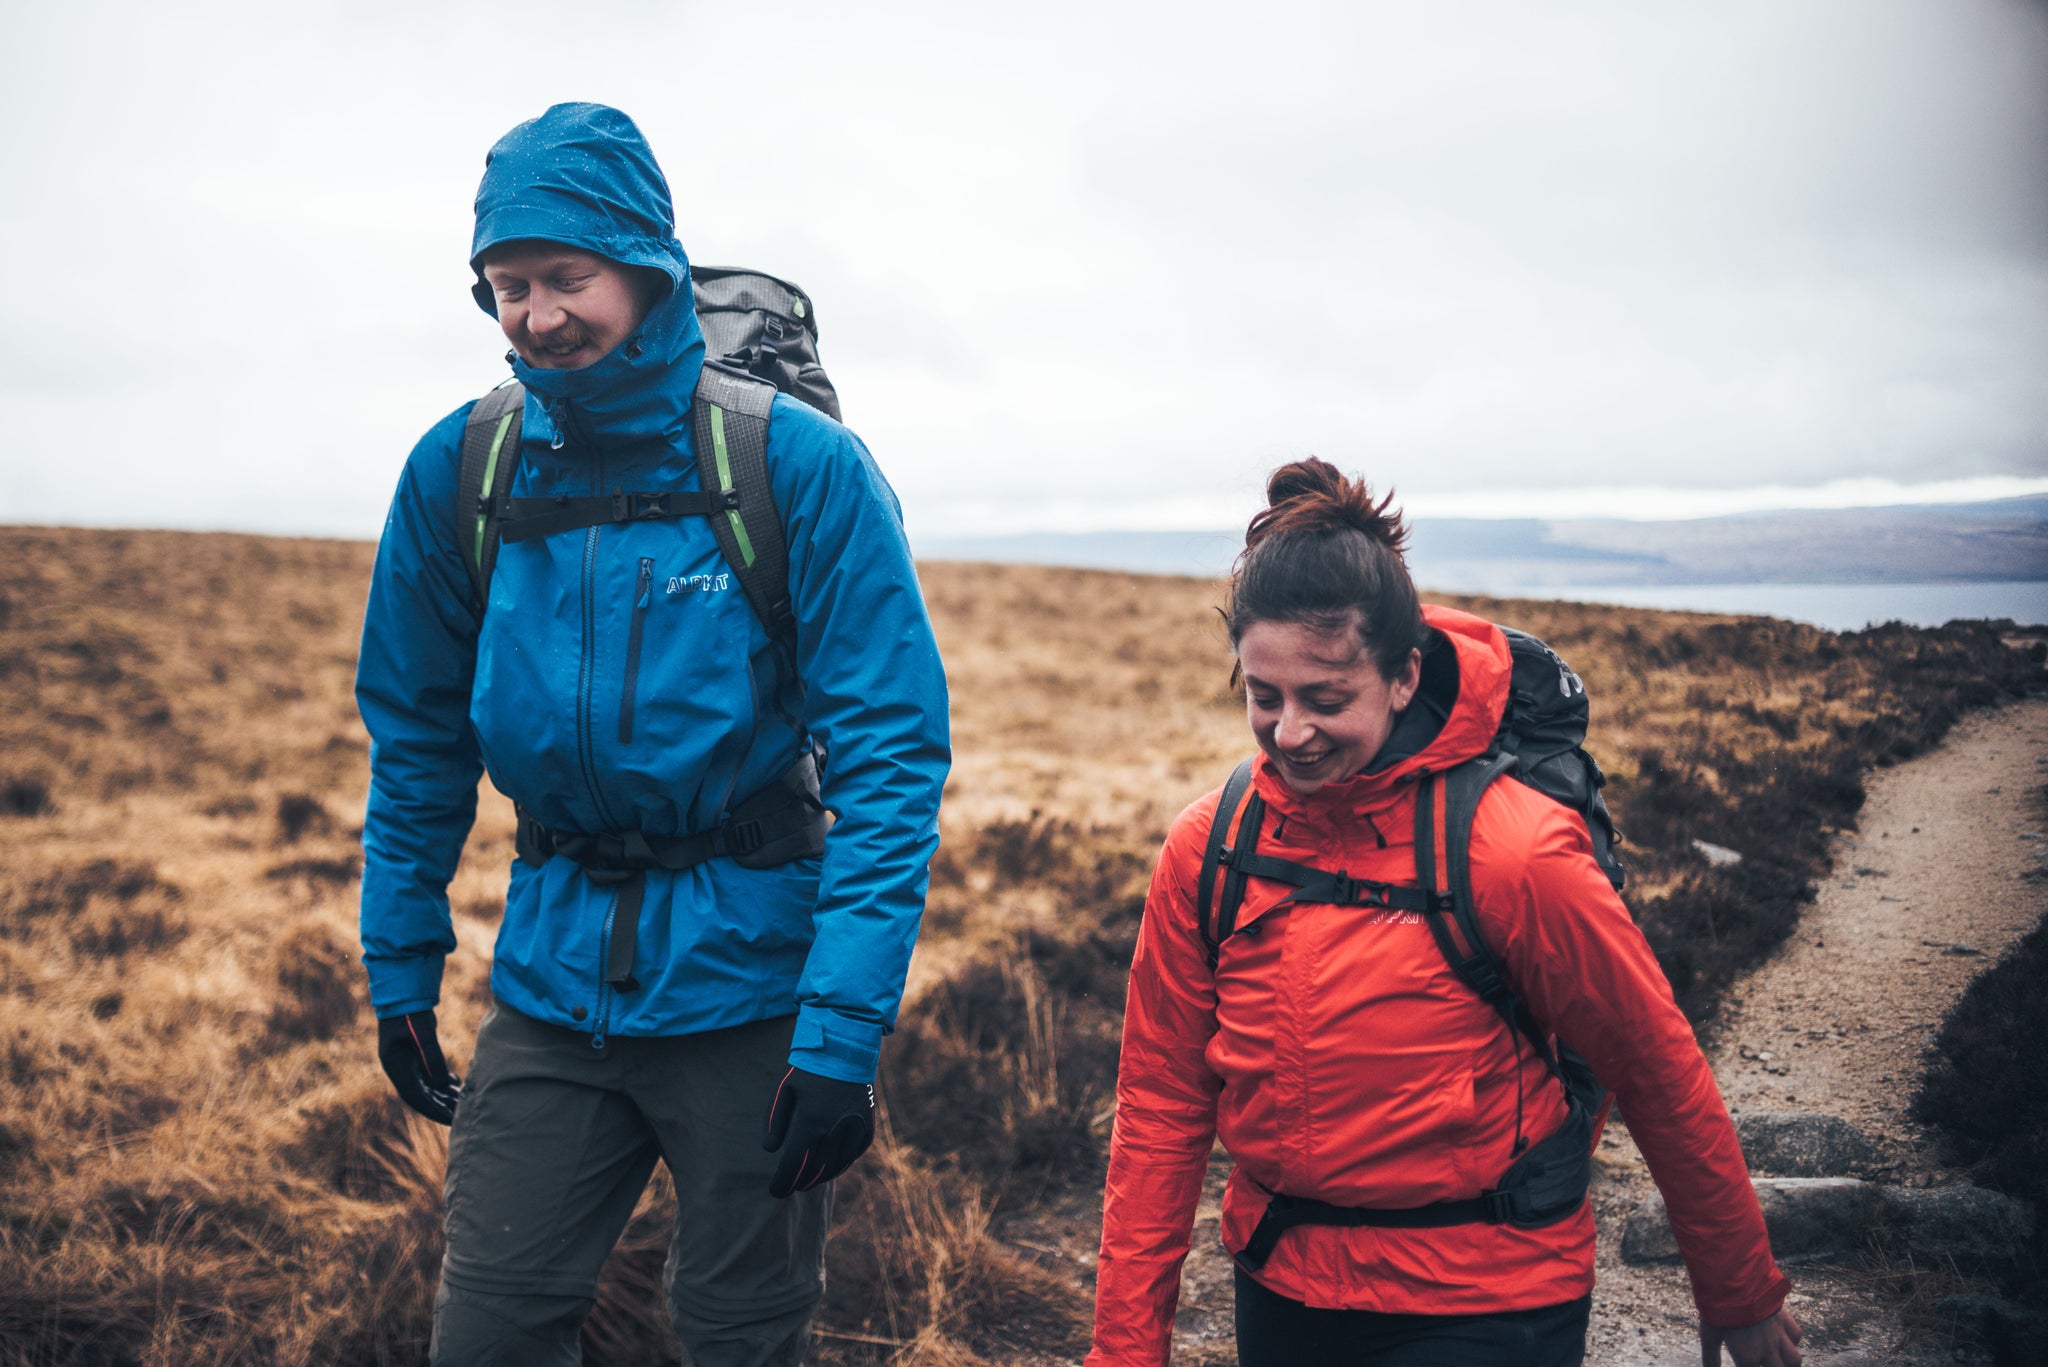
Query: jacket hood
x=1454, y=716
x=583, y=175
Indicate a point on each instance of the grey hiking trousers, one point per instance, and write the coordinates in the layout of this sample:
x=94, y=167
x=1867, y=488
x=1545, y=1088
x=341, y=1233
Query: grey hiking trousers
x=552, y=1147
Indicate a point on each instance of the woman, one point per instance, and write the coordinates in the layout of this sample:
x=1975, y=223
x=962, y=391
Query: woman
x=1333, y=1050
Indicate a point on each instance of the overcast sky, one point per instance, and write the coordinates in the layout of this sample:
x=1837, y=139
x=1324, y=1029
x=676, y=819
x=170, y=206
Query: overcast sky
x=1078, y=266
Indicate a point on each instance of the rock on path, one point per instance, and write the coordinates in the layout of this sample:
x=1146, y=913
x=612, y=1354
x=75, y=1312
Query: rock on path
x=1923, y=897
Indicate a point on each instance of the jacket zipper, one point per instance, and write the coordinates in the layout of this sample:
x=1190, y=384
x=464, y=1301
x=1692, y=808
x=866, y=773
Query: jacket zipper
x=604, y=989
x=586, y=678
x=564, y=418
x=643, y=597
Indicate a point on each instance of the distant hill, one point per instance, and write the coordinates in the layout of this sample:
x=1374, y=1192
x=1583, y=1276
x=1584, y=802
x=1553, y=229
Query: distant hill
x=2006, y=540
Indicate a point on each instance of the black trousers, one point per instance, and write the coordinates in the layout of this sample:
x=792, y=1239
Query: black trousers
x=1275, y=1331
x=551, y=1149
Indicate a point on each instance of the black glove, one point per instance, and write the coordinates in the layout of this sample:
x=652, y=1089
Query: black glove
x=410, y=1050
x=827, y=1123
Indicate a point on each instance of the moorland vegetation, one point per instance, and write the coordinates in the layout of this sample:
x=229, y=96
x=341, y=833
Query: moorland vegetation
x=201, y=1162
x=1984, y=1094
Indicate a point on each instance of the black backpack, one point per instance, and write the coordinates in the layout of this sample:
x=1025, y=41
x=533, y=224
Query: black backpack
x=764, y=332
x=1540, y=742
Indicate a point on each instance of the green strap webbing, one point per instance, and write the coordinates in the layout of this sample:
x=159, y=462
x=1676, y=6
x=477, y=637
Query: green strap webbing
x=490, y=455
x=729, y=426
x=739, y=524
x=491, y=474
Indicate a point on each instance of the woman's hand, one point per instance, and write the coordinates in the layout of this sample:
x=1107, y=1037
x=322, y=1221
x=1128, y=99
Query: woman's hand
x=1769, y=1343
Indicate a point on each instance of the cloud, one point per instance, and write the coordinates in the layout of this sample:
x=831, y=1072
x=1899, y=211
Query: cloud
x=1099, y=264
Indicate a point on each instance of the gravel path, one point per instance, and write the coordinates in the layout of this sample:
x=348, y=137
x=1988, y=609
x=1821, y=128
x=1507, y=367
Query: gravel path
x=1928, y=892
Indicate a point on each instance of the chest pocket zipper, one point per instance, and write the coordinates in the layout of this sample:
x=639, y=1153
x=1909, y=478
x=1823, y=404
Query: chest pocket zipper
x=643, y=598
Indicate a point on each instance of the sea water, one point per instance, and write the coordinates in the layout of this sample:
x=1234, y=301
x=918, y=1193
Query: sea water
x=1833, y=607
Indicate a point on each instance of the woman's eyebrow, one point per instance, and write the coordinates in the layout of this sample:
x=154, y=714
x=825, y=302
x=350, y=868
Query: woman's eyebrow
x=1314, y=686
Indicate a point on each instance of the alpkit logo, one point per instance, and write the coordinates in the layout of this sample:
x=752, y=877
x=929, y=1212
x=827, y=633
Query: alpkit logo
x=680, y=584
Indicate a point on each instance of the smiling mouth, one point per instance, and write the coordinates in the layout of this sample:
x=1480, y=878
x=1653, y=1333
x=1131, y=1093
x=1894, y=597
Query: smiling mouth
x=559, y=343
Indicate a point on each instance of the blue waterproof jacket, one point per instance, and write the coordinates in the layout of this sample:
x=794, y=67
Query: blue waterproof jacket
x=546, y=691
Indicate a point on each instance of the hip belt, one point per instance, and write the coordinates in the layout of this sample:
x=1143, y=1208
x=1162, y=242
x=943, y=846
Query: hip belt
x=1545, y=1185
x=781, y=823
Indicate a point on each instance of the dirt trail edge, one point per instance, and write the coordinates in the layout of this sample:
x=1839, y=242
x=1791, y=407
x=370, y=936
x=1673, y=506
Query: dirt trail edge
x=1925, y=895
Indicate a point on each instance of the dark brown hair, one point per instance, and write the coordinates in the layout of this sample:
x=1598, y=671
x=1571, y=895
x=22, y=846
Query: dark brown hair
x=1323, y=553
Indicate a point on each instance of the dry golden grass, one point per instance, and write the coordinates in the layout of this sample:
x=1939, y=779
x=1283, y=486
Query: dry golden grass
x=201, y=1162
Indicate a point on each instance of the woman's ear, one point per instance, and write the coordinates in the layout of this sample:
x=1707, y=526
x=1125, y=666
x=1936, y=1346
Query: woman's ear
x=1406, y=680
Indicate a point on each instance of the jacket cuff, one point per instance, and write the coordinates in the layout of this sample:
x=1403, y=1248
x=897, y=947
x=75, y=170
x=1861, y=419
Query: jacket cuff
x=828, y=1044
x=398, y=987
x=1729, y=1314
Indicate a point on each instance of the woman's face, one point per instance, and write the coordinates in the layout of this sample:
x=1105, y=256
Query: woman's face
x=1318, y=705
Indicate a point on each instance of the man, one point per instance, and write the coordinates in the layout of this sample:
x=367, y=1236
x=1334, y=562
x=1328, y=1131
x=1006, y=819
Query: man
x=723, y=1016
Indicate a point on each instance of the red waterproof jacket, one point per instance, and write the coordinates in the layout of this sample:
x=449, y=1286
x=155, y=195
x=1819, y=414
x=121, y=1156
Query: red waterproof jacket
x=1337, y=1057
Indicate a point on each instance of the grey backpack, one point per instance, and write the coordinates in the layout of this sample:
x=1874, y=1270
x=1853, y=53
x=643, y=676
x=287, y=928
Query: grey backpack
x=765, y=327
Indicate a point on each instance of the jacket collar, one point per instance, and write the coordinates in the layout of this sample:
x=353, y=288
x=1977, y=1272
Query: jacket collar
x=639, y=392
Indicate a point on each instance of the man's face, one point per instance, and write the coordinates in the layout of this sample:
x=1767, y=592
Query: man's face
x=561, y=308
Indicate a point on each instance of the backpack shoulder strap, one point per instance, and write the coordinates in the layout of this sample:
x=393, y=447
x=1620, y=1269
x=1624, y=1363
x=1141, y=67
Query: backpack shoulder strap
x=729, y=423
x=1445, y=806
x=1474, y=961
x=490, y=453
x=1216, y=931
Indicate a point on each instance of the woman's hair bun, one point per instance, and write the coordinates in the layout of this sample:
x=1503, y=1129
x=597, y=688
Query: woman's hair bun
x=1303, y=478
x=1314, y=495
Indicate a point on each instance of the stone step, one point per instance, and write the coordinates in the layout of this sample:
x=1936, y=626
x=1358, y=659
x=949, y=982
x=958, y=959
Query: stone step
x=1823, y=1217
